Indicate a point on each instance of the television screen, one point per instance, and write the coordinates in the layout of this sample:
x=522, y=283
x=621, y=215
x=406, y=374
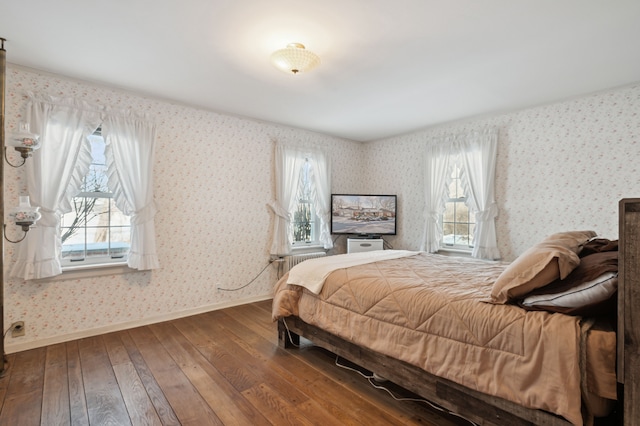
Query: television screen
x=359, y=214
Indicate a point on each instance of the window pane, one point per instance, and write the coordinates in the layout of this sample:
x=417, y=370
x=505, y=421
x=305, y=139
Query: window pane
x=97, y=240
x=97, y=211
x=120, y=234
x=72, y=224
x=462, y=212
x=69, y=218
x=462, y=234
x=457, y=221
x=95, y=228
x=304, y=214
x=302, y=223
x=449, y=212
x=117, y=217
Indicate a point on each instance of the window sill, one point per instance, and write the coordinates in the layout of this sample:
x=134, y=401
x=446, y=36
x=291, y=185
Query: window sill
x=448, y=251
x=90, y=271
x=307, y=248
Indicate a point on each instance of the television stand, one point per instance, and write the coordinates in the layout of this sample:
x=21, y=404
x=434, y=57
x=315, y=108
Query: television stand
x=358, y=245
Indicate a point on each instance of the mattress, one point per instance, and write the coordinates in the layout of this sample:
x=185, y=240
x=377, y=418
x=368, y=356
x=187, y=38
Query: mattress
x=430, y=310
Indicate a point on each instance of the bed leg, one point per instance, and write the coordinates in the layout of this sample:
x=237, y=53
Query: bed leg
x=286, y=338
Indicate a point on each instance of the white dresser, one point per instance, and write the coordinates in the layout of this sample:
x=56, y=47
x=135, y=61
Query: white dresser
x=357, y=245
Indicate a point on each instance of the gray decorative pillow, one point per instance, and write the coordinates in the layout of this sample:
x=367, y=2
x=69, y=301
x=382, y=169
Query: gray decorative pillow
x=588, y=291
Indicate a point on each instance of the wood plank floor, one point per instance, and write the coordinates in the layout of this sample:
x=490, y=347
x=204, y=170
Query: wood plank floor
x=218, y=368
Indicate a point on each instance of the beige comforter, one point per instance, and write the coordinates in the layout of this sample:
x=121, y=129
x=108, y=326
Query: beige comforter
x=428, y=310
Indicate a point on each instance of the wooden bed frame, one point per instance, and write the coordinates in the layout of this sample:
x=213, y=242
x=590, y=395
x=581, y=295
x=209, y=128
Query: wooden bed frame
x=489, y=410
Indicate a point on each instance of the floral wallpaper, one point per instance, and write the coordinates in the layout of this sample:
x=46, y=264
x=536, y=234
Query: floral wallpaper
x=560, y=167
x=213, y=179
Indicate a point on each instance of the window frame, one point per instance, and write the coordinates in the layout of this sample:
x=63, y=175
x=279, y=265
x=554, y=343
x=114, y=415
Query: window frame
x=305, y=196
x=466, y=248
x=89, y=262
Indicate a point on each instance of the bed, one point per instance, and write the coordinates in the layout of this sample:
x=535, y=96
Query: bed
x=480, y=338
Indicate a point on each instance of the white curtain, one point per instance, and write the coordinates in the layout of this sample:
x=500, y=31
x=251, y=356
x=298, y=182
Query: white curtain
x=321, y=170
x=287, y=166
x=130, y=153
x=436, y=177
x=478, y=153
x=54, y=175
x=289, y=161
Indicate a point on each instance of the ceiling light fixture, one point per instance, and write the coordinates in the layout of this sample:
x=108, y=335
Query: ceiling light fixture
x=294, y=59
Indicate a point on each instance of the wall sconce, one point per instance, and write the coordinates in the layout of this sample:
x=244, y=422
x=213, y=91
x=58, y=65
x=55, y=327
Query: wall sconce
x=24, y=142
x=24, y=216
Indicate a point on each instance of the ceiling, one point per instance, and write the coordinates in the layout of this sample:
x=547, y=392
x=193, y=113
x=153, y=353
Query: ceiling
x=388, y=67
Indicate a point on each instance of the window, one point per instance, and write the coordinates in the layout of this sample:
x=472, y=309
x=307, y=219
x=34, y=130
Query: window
x=302, y=197
x=458, y=223
x=95, y=231
x=470, y=159
x=305, y=222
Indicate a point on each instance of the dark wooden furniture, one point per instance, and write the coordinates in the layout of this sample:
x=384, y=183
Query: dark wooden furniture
x=629, y=309
x=3, y=82
x=489, y=410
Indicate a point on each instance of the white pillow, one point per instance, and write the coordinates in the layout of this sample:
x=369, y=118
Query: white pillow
x=587, y=293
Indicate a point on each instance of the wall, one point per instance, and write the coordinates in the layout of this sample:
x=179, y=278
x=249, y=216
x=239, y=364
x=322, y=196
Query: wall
x=213, y=179
x=560, y=167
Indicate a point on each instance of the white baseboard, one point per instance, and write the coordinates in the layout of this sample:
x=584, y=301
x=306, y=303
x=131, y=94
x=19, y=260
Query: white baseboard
x=19, y=347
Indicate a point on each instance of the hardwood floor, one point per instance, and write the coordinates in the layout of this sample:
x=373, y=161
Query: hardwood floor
x=218, y=368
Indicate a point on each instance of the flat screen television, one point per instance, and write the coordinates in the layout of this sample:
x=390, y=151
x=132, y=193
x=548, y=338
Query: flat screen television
x=363, y=214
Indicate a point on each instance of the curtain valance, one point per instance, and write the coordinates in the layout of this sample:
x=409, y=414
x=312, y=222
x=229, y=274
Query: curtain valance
x=82, y=105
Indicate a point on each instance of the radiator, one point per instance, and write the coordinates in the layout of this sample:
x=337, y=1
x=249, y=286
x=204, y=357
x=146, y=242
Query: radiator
x=293, y=260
